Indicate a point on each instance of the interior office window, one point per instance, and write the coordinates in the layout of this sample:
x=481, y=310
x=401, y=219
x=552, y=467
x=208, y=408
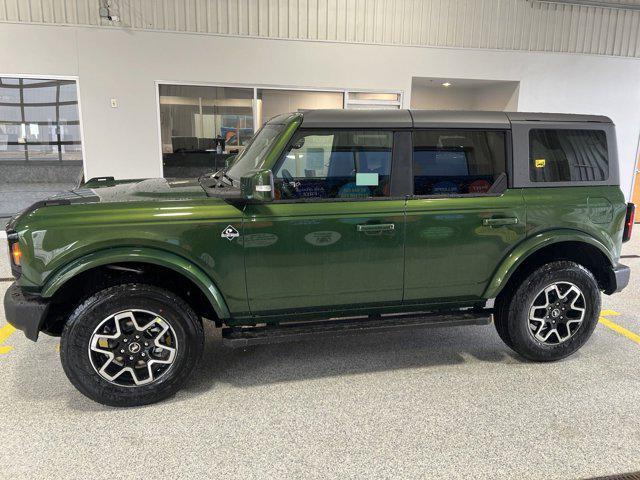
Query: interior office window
x=40, y=141
x=336, y=164
x=372, y=100
x=271, y=102
x=568, y=155
x=459, y=162
x=202, y=126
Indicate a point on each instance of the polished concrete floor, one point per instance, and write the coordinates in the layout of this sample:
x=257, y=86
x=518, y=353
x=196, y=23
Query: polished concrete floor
x=450, y=403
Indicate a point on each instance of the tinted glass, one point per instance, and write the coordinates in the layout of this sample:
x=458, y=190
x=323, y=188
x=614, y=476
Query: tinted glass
x=458, y=162
x=336, y=164
x=568, y=155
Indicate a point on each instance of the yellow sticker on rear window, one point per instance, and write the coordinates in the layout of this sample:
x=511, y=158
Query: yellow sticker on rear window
x=540, y=162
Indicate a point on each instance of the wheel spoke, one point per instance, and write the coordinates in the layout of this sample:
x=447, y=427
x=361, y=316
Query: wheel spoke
x=532, y=314
x=553, y=288
x=103, y=370
x=545, y=337
x=562, y=338
x=164, y=328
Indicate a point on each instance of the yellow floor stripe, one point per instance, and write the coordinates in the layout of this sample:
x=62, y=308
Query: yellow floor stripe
x=617, y=328
x=5, y=332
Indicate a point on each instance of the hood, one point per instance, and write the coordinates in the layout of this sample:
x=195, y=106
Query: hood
x=116, y=191
x=153, y=189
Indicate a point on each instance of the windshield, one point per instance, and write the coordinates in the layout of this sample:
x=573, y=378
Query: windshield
x=254, y=154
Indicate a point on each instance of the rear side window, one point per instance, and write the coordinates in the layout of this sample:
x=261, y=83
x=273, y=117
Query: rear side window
x=568, y=155
x=459, y=162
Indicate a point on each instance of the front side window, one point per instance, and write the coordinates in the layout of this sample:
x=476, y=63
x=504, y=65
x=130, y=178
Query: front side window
x=568, y=155
x=458, y=162
x=336, y=164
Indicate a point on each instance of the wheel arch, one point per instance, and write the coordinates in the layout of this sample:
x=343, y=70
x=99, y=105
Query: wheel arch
x=142, y=256
x=550, y=246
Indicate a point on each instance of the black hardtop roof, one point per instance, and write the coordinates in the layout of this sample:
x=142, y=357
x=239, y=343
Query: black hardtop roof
x=339, y=118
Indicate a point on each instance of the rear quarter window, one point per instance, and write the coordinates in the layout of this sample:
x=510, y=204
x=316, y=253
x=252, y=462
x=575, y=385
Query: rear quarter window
x=568, y=155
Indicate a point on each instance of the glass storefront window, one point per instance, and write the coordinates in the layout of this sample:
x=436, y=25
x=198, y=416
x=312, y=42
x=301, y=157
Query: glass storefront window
x=372, y=100
x=393, y=97
x=202, y=126
x=275, y=102
x=40, y=140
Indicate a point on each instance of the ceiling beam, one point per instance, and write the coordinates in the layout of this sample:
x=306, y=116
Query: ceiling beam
x=595, y=3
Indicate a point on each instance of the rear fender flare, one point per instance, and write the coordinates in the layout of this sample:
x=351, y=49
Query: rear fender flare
x=531, y=245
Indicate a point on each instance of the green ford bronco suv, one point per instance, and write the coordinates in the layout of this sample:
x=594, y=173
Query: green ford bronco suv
x=329, y=223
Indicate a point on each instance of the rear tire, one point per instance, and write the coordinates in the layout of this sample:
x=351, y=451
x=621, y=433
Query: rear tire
x=130, y=345
x=551, y=313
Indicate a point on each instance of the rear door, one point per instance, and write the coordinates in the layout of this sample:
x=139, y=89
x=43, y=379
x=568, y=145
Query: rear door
x=462, y=218
x=334, y=236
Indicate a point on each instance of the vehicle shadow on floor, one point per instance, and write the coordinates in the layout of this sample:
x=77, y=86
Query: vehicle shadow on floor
x=352, y=355
x=300, y=361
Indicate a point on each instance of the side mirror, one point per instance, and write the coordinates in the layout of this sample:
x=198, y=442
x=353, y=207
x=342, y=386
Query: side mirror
x=258, y=186
x=229, y=161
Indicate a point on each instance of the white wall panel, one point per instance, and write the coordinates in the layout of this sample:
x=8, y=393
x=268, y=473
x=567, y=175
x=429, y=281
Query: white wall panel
x=530, y=25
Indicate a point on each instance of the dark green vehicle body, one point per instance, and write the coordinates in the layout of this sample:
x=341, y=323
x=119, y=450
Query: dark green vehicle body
x=331, y=257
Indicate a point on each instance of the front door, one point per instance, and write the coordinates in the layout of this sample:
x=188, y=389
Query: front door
x=333, y=238
x=462, y=219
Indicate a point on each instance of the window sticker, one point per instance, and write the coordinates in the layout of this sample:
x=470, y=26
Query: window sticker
x=367, y=179
x=479, y=186
x=540, y=162
x=445, y=188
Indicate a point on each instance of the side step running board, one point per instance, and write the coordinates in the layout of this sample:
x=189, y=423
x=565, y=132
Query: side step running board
x=293, y=331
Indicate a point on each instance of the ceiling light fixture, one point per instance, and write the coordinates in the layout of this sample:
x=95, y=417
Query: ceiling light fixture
x=446, y=84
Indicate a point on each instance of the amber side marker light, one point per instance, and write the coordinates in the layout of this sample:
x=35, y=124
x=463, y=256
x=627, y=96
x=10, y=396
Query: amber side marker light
x=16, y=254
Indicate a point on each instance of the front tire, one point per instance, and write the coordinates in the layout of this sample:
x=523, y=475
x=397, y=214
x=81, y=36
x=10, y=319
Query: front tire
x=130, y=345
x=552, y=313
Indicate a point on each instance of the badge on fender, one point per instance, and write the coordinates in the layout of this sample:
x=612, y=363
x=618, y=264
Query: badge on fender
x=230, y=233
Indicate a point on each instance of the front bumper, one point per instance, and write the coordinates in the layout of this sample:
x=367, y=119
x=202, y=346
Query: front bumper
x=621, y=274
x=25, y=312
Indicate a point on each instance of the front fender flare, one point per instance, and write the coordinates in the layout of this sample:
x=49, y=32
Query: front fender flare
x=141, y=255
x=531, y=245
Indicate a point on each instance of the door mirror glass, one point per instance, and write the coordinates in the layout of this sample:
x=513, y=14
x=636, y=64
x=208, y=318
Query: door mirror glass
x=258, y=186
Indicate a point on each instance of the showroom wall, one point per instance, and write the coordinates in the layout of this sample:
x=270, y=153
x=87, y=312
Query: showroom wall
x=125, y=64
x=464, y=94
